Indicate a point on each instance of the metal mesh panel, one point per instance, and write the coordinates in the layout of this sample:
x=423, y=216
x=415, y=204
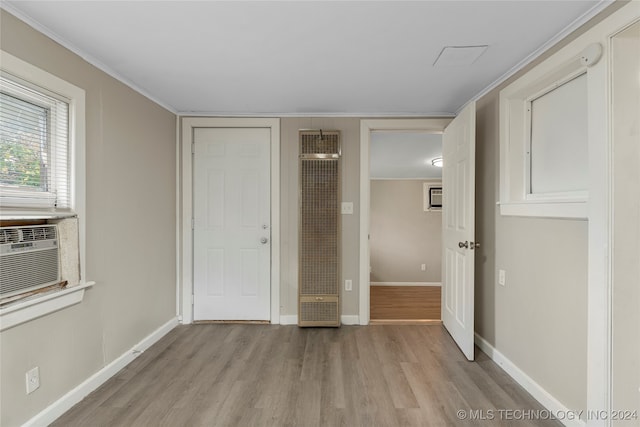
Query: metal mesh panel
x=21, y=272
x=319, y=250
x=319, y=312
x=319, y=227
x=312, y=143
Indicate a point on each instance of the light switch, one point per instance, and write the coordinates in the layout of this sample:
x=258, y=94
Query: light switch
x=347, y=208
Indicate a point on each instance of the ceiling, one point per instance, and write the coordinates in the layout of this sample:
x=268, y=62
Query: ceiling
x=404, y=155
x=360, y=58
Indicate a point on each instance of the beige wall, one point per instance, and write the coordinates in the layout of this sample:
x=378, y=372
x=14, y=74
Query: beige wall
x=130, y=220
x=626, y=232
x=403, y=235
x=539, y=319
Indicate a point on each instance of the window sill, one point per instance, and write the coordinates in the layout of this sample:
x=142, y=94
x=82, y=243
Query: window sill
x=31, y=308
x=556, y=209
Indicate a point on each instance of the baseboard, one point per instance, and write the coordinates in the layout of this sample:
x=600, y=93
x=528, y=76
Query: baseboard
x=405, y=284
x=350, y=319
x=292, y=319
x=289, y=319
x=532, y=387
x=66, y=402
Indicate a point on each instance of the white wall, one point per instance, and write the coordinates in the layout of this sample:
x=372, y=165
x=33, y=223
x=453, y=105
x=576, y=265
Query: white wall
x=130, y=235
x=626, y=208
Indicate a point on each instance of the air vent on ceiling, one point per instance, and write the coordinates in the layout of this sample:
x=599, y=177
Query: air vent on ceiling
x=459, y=56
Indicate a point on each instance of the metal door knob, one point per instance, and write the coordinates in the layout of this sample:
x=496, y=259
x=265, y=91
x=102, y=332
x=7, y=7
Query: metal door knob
x=264, y=240
x=463, y=245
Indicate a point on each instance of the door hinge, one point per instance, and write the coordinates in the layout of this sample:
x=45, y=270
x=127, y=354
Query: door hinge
x=193, y=223
x=193, y=148
x=193, y=298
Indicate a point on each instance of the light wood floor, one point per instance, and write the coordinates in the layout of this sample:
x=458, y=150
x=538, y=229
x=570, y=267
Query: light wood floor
x=262, y=375
x=405, y=302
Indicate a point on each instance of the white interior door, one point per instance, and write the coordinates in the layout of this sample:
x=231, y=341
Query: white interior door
x=231, y=234
x=458, y=234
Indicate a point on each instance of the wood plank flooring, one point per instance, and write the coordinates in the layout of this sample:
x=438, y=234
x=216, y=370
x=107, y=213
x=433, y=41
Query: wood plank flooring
x=263, y=375
x=405, y=302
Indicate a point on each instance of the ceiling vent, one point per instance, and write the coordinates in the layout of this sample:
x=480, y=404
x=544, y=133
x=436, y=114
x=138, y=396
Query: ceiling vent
x=459, y=56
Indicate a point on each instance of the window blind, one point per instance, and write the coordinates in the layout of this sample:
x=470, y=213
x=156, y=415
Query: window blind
x=34, y=147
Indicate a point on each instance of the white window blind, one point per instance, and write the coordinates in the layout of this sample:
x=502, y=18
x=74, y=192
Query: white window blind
x=34, y=147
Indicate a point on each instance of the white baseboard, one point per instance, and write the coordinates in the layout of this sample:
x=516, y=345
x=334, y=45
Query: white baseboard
x=405, y=284
x=350, y=319
x=292, y=319
x=66, y=402
x=532, y=387
x=289, y=319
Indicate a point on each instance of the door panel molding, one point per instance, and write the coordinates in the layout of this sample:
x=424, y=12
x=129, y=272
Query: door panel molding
x=185, y=206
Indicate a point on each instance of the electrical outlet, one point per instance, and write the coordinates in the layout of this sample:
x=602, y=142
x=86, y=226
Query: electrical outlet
x=502, y=280
x=423, y=267
x=33, y=380
x=348, y=285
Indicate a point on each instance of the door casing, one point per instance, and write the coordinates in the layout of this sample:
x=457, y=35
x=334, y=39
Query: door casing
x=366, y=127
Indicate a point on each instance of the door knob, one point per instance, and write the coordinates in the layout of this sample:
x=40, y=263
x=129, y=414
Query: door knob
x=474, y=245
x=463, y=245
x=264, y=240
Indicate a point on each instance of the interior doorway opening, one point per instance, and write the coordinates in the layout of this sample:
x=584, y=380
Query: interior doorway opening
x=405, y=260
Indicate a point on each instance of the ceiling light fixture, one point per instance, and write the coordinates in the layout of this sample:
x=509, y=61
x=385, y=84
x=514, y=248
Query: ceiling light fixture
x=437, y=162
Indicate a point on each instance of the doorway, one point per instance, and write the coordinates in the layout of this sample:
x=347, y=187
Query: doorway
x=405, y=226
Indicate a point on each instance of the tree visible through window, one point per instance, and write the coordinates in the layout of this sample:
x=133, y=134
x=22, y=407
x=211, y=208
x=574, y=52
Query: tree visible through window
x=34, y=147
x=23, y=143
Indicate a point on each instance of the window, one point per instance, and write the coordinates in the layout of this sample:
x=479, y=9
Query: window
x=557, y=151
x=544, y=138
x=42, y=174
x=34, y=146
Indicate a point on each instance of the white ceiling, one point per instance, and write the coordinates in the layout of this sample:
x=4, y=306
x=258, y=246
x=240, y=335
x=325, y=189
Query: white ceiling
x=303, y=57
x=404, y=155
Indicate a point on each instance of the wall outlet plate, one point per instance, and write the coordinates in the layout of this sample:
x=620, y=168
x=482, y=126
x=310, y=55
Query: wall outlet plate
x=502, y=280
x=346, y=208
x=33, y=380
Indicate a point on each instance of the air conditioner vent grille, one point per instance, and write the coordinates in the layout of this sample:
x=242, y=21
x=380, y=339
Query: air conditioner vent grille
x=29, y=258
x=42, y=268
x=27, y=234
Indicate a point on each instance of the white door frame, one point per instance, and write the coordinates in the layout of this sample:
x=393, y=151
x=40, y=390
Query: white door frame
x=186, y=252
x=366, y=127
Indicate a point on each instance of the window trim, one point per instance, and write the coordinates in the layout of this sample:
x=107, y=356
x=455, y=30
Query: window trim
x=75, y=96
x=515, y=126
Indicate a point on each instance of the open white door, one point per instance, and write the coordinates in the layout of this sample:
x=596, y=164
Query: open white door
x=458, y=228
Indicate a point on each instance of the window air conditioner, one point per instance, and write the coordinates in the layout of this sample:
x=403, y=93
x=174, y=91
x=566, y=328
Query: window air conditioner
x=29, y=258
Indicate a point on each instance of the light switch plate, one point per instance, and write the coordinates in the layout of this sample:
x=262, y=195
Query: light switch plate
x=502, y=280
x=346, y=208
